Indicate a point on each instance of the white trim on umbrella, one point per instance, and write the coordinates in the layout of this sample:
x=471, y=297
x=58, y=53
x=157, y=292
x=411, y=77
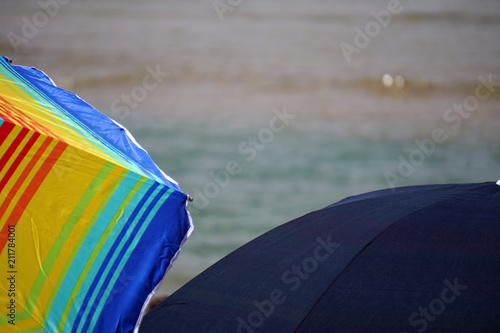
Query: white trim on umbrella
x=498, y=182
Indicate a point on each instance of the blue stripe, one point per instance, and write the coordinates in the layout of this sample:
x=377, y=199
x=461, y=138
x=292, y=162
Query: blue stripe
x=88, y=245
x=118, y=264
x=83, y=308
x=104, y=133
x=82, y=257
x=146, y=263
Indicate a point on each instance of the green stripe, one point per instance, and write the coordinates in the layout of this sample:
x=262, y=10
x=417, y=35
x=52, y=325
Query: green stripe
x=30, y=303
x=45, y=103
x=78, y=245
x=124, y=259
x=22, y=84
x=55, y=114
x=64, y=234
x=33, y=330
x=71, y=310
x=113, y=258
x=20, y=316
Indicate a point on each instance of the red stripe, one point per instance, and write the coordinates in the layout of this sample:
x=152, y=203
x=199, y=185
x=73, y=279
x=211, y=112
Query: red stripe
x=17, y=117
x=12, y=148
x=28, y=121
x=18, y=159
x=30, y=191
x=24, y=175
x=7, y=114
x=5, y=130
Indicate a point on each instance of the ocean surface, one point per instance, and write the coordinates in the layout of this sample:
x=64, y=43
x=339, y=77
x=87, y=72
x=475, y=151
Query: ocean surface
x=266, y=110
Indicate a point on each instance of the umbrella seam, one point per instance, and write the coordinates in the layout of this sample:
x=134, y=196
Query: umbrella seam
x=361, y=251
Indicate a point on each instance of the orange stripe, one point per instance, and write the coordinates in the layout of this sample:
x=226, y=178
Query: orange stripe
x=28, y=121
x=17, y=161
x=24, y=175
x=5, y=130
x=13, y=115
x=11, y=150
x=9, y=115
x=31, y=190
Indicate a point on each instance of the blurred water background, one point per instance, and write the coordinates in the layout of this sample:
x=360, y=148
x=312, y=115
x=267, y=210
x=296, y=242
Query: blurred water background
x=231, y=69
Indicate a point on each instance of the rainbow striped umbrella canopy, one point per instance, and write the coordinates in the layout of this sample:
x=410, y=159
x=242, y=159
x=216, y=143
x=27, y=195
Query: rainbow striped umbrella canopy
x=89, y=224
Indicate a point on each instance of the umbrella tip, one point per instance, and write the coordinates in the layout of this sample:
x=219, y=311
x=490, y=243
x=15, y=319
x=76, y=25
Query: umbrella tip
x=190, y=198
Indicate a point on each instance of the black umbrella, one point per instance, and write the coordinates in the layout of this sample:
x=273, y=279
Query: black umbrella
x=413, y=259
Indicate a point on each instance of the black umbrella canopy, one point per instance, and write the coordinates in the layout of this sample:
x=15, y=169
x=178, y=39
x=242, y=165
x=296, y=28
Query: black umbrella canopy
x=413, y=259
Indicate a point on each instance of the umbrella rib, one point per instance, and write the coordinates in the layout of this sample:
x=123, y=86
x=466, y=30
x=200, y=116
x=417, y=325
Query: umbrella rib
x=361, y=251
x=335, y=280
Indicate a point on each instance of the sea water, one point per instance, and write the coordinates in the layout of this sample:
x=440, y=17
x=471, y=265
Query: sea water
x=268, y=110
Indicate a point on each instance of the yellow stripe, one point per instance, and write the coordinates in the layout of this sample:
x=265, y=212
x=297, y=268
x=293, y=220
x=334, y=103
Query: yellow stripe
x=25, y=160
x=38, y=110
x=3, y=149
x=13, y=179
x=82, y=229
x=15, y=176
x=32, y=108
x=24, y=238
x=68, y=316
x=6, y=144
x=65, y=131
x=46, y=215
x=21, y=326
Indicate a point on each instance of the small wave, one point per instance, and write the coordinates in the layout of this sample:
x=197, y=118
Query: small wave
x=451, y=16
x=278, y=83
x=375, y=85
x=405, y=16
x=296, y=17
x=411, y=87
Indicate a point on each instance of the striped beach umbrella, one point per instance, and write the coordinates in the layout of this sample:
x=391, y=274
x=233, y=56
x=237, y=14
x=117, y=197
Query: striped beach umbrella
x=89, y=224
